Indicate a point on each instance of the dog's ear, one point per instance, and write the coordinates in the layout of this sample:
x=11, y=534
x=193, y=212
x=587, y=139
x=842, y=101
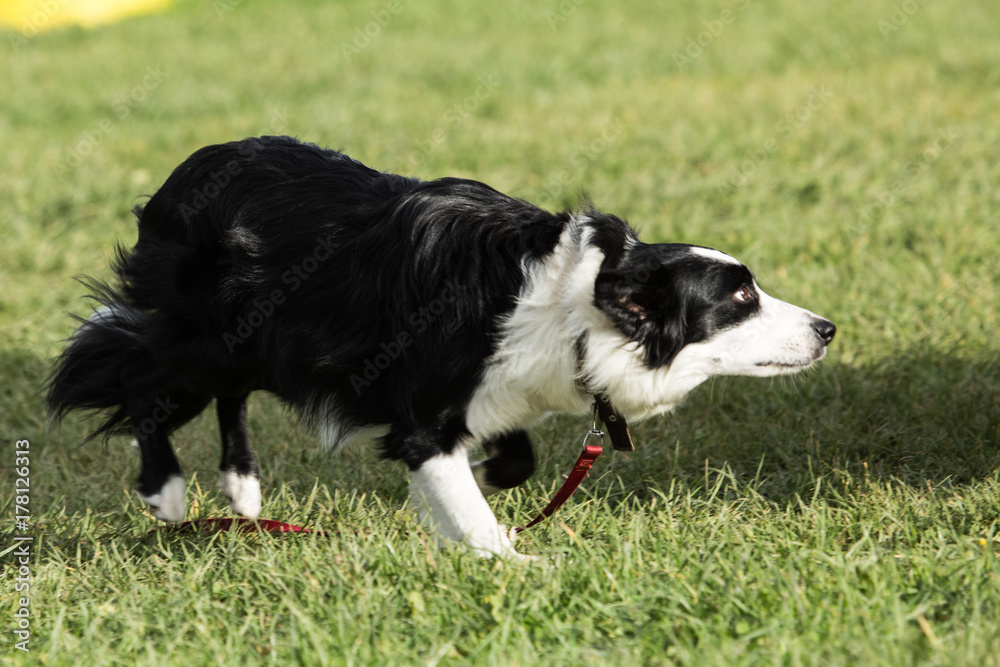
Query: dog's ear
x=623, y=298
x=646, y=308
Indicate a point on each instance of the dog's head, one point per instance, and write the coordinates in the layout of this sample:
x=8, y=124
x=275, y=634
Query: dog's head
x=687, y=313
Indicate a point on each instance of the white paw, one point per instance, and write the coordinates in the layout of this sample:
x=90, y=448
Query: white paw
x=507, y=539
x=243, y=492
x=492, y=541
x=168, y=504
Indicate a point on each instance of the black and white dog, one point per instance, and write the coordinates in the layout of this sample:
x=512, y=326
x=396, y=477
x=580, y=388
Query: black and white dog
x=430, y=317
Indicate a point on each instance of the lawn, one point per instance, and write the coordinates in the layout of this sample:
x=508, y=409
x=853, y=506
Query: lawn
x=848, y=151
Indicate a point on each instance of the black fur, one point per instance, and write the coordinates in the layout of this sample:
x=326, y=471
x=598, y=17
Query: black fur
x=511, y=460
x=277, y=265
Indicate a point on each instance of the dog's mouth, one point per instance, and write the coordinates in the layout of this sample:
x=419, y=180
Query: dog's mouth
x=783, y=364
x=794, y=365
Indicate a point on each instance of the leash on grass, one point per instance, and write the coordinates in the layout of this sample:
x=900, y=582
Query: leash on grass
x=240, y=525
x=593, y=445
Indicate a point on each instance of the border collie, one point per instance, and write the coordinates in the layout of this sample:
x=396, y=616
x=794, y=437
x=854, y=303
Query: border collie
x=432, y=318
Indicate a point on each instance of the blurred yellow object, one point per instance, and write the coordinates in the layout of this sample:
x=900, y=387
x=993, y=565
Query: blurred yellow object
x=33, y=16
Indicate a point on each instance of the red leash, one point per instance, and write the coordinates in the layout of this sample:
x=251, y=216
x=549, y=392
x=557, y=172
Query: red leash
x=237, y=524
x=580, y=470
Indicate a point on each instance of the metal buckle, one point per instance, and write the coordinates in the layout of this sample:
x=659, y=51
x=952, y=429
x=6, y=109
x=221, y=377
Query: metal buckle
x=594, y=433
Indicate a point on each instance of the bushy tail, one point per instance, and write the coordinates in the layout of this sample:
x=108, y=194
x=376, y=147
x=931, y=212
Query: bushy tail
x=88, y=374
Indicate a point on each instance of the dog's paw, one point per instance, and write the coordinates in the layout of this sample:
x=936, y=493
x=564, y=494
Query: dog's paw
x=243, y=492
x=512, y=534
x=499, y=545
x=168, y=503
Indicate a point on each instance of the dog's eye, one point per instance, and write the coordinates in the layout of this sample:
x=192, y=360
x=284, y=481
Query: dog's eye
x=744, y=294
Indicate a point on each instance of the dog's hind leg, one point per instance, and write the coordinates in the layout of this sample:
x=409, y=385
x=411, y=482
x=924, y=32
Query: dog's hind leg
x=161, y=483
x=511, y=462
x=239, y=473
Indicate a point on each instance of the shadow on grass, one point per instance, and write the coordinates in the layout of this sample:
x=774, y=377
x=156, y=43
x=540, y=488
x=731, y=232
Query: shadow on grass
x=923, y=417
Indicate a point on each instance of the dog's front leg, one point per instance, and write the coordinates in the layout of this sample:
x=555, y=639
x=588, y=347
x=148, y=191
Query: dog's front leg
x=448, y=498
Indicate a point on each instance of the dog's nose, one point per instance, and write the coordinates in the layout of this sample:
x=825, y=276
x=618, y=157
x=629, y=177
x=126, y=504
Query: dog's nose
x=825, y=330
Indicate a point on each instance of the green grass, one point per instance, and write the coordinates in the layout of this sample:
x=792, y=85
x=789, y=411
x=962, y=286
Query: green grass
x=847, y=517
